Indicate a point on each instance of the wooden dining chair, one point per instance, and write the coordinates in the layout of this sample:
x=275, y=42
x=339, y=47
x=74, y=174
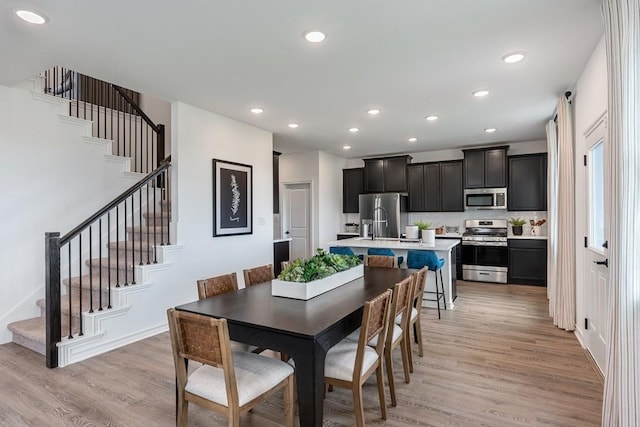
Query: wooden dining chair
x=381, y=261
x=253, y=276
x=415, y=305
x=217, y=285
x=349, y=364
x=230, y=383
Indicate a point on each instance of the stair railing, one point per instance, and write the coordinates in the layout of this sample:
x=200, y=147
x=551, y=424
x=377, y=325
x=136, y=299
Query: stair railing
x=115, y=114
x=129, y=242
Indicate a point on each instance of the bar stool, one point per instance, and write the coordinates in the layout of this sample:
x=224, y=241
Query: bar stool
x=420, y=258
x=384, y=252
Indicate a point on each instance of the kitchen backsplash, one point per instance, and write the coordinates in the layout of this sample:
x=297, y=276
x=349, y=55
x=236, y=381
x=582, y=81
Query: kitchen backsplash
x=457, y=218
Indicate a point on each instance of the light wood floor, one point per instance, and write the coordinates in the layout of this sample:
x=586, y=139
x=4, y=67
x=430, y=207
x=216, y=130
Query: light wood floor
x=496, y=360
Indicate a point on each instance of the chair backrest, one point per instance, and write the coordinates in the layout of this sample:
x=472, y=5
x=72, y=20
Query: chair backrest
x=374, y=322
x=341, y=250
x=202, y=339
x=253, y=276
x=420, y=279
x=402, y=295
x=217, y=285
x=381, y=261
x=421, y=258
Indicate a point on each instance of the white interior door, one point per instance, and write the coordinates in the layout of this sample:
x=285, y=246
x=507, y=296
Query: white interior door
x=297, y=219
x=596, y=253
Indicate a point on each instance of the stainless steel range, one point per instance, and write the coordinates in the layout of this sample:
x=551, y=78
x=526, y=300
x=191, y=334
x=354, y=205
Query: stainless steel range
x=484, y=250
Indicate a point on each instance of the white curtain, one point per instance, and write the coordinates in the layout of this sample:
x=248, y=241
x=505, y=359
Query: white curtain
x=552, y=212
x=564, y=310
x=621, y=405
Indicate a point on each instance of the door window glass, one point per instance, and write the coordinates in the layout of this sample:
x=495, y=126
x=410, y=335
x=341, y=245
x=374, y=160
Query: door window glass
x=596, y=197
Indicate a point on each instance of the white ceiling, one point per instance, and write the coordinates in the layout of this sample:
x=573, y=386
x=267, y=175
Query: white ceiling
x=410, y=58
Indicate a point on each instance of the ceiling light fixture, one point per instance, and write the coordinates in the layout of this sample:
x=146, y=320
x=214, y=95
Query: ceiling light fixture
x=346, y=147
x=490, y=130
x=373, y=111
x=257, y=110
x=514, y=57
x=431, y=118
x=30, y=16
x=353, y=130
x=293, y=125
x=481, y=93
x=412, y=139
x=314, y=36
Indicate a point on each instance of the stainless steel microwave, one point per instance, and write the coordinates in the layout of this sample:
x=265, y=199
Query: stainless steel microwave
x=485, y=198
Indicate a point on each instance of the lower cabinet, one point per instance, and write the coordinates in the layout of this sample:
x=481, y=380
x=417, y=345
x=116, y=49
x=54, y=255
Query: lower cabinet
x=527, y=262
x=456, y=258
x=280, y=253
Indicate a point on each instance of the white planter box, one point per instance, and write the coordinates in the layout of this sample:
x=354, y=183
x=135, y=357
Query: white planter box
x=306, y=291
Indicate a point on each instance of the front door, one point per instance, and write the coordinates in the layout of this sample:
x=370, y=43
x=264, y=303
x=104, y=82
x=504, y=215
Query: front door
x=297, y=218
x=596, y=253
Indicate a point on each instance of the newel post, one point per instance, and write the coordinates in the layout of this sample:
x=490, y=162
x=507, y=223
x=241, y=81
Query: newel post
x=160, y=148
x=53, y=318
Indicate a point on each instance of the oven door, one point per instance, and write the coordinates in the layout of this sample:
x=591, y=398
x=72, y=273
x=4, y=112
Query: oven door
x=484, y=262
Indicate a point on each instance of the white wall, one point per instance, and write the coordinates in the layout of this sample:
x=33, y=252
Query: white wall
x=52, y=181
x=159, y=111
x=330, y=192
x=198, y=137
x=590, y=103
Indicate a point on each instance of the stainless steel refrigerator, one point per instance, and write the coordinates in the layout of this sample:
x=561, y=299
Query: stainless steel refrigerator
x=383, y=214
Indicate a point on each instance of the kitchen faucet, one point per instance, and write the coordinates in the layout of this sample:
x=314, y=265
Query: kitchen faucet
x=374, y=220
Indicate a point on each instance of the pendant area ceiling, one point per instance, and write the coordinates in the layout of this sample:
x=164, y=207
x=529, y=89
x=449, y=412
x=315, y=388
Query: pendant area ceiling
x=408, y=58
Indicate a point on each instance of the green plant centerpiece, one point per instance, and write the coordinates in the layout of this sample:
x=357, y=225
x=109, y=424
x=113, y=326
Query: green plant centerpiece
x=319, y=266
x=422, y=225
x=517, y=224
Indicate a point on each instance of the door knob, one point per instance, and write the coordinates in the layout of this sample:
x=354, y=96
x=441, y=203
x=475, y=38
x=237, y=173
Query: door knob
x=605, y=263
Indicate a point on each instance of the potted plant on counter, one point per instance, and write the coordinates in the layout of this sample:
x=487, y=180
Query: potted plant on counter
x=516, y=226
x=426, y=233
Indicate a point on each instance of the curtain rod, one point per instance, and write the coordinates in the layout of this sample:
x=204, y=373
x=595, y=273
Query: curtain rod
x=567, y=94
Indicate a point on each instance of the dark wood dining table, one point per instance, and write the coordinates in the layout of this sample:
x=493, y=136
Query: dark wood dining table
x=305, y=330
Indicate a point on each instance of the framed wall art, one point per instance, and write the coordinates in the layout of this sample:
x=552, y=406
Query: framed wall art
x=232, y=198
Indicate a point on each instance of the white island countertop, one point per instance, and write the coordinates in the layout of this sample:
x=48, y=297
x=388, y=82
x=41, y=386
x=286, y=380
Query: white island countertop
x=362, y=242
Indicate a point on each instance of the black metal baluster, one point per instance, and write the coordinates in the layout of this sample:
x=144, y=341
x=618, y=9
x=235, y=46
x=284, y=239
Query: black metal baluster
x=154, y=223
x=100, y=257
x=98, y=96
x=78, y=76
x=155, y=202
x=168, y=186
x=69, y=292
x=90, y=270
x=80, y=288
x=135, y=143
x=109, y=257
x=133, y=238
x=140, y=223
x=126, y=257
x=117, y=246
x=155, y=229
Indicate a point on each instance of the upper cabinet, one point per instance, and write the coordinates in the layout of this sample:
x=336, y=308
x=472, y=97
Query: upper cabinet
x=485, y=167
x=527, y=183
x=436, y=187
x=352, y=187
x=385, y=175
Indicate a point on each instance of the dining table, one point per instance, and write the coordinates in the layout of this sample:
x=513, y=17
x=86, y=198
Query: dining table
x=304, y=330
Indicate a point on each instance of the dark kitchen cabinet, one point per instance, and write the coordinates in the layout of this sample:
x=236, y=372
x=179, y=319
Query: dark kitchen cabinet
x=352, y=187
x=527, y=189
x=452, y=188
x=485, y=167
x=527, y=262
x=280, y=253
x=456, y=258
x=276, y=182
x=387, y=174
x=436, y=187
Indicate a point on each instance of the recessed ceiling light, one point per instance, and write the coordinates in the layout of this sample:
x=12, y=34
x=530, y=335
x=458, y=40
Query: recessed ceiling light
x=346, y=147
x=353, y=130
x=481, y=93
x=412, y=139
x=257, y=110
x=314, y=36
x=431, y=118
x=30, y=16
x=513, y=57
x=490, y=130
x=373, y=111
x=293, y=125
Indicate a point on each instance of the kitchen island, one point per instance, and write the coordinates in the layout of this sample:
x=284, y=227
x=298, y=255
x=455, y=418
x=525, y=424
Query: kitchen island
x=442, y=247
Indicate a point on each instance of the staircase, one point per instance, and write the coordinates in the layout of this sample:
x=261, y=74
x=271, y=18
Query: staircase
x=123, y=244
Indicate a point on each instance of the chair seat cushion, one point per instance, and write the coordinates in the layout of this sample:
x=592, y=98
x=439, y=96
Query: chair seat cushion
x=421, y=258
x=355, y=336
x=414, y=314
x=255, y=375
x=341, y=359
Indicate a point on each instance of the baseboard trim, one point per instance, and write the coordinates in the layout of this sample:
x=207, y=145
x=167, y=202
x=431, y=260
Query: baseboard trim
x=595, y=366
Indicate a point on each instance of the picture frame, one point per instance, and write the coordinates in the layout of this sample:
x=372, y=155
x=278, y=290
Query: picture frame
x=232, y=198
